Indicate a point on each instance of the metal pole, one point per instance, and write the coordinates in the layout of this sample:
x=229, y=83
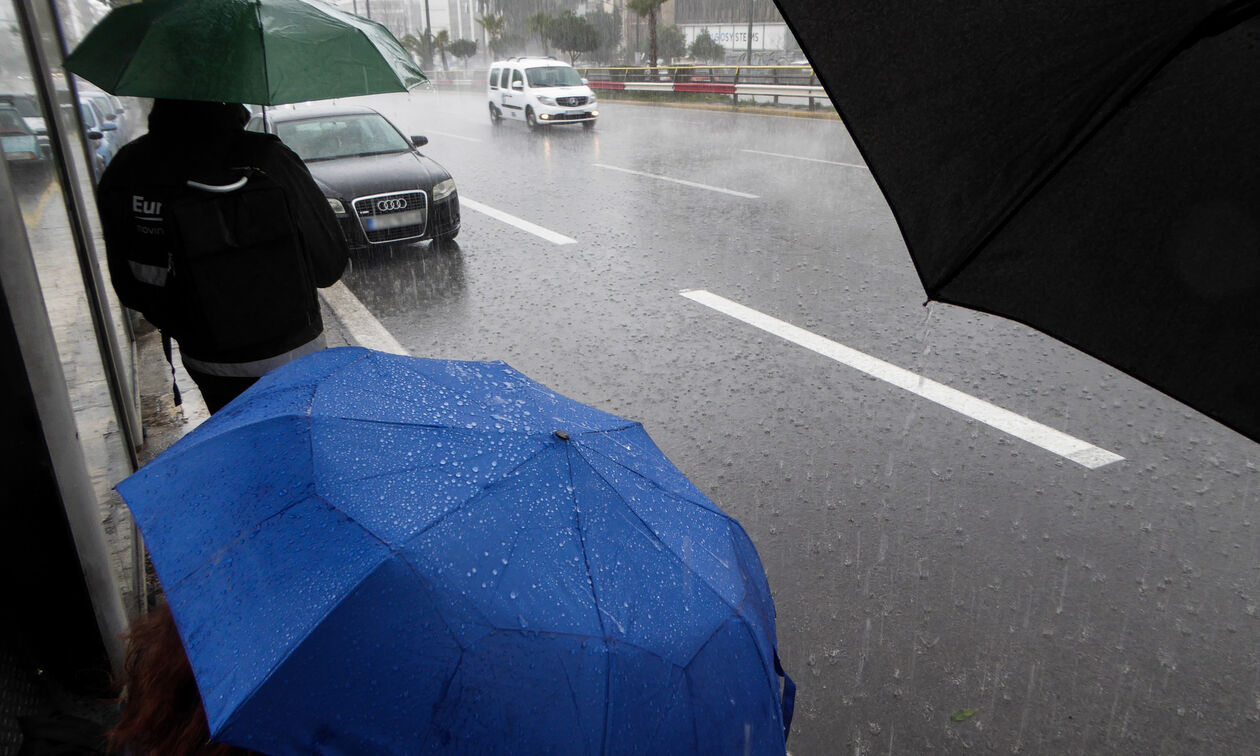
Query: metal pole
x=428, y=36
x=750, y=22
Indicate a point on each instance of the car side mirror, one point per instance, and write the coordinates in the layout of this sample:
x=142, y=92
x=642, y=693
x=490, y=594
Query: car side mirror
x=94, y=135
x=518, y=86
x=584, y=81
x=419, y=141
x=109, y=127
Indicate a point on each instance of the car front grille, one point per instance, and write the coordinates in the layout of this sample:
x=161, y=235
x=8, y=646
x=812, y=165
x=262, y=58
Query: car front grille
x=570, y=102
x=570, y=116
x=394, y=217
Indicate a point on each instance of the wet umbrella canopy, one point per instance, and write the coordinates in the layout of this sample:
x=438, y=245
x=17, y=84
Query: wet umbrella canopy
x=1087, y=168
x=265, y=52
x=380, y=554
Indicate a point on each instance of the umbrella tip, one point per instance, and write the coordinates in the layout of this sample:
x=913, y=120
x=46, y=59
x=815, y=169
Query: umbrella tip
x=562, y=435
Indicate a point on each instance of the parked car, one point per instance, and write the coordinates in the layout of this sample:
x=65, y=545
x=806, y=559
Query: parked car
x=28, y=108
x=110, y=107
x=101, y=133
x=25, y=159
x=382, y=190
x=540, y=92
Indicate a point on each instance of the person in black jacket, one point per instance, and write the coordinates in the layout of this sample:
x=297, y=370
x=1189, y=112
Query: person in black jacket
x=219, y=237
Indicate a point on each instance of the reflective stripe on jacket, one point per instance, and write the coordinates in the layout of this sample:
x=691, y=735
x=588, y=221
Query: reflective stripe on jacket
x=254, y=369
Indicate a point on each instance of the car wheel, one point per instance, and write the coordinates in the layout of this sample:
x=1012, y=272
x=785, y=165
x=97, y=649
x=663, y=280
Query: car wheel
x=530, y=119
x=495, y=115
x=588, y=125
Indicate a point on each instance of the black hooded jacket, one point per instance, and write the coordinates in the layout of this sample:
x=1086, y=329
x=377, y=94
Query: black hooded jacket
x=207, y=143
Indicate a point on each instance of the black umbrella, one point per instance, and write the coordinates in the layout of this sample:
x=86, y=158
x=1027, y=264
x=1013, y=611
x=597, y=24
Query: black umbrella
x=1089, y=168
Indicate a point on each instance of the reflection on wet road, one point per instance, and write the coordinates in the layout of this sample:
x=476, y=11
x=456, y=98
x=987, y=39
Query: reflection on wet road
x=923, y=562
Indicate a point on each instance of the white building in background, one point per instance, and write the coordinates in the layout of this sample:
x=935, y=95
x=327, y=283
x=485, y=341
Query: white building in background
x=404, y=17
x=734, y=37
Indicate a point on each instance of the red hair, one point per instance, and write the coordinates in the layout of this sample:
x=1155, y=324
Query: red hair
x=162, y=711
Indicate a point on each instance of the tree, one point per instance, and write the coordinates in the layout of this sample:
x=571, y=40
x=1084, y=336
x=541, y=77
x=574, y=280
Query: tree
x=705, y=48
x=672, y=43
x=573, y=35
x=608, y=28
x=418, y=50
x=494, y=25
x=539, y=23
x=441, y=41
x=647, y=9
x=463, y=49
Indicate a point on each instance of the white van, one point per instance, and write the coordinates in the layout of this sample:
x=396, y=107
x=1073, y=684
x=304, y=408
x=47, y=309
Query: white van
x=540, y=92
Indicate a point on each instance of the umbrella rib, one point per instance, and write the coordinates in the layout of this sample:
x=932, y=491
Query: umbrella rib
x=649, y=481
x=771, y=681
x=1236, y=12
x=314, y=625
x=480, y=494
x=649, y=529
x=590, y=581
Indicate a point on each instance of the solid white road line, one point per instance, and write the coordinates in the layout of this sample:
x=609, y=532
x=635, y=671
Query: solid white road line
x=366, y=330
x=1033, y=432
x=512, y=220
x=809, y=159
x=679, y=181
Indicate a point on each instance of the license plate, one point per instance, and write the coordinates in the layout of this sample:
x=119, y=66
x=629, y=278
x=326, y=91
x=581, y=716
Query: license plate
x=575, y=114
x=394, y=220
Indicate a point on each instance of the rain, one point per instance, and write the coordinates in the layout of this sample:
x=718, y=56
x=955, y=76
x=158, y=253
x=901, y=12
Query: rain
x=940, y=584
x=975, y=537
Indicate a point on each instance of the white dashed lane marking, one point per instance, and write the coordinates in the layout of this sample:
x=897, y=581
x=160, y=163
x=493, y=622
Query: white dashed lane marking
x=1033, y=432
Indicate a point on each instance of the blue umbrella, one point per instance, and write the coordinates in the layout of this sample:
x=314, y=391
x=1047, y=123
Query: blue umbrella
x=368, y=553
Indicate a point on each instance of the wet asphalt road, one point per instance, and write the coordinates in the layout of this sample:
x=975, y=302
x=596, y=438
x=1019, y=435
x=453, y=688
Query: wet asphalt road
x=922, y=562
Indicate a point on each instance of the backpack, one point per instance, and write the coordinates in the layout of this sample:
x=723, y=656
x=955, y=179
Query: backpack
x=239, y=281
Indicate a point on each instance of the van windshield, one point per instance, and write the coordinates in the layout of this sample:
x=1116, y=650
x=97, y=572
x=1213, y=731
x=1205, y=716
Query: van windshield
x=553, y=76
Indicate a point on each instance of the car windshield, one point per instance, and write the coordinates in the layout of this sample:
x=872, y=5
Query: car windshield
x=341, y=136
x=102, y=103
x=11, y=124
x=26, y=105
x=90, y=119
x=553, y=76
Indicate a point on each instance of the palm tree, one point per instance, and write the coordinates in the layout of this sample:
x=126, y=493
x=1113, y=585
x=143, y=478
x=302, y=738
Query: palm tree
x=647, y=9
x=539, y=23
x=493, y=24
x=441, y=40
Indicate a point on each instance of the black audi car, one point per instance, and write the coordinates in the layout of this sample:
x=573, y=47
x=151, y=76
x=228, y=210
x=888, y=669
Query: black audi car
x=381, y=188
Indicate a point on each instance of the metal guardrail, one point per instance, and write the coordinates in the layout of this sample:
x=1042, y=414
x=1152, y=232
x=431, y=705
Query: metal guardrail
x=793, y=83
x=748, y=81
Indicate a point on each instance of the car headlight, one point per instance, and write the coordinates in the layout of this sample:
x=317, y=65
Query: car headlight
x=443, y=189
x=337, y=207
x=547, y=100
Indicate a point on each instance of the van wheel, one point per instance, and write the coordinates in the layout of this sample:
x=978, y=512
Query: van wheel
x=588, y=125
x=530, y=119
x=495, y=115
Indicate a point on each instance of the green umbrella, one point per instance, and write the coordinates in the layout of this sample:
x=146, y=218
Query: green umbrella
x=264, y=52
